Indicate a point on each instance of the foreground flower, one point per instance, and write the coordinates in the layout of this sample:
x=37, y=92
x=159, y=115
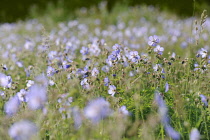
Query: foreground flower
x=94, y=72
x=112, y=90
x=22, y=95
x=5, y=81
x=134, y=56
x=37, y=96
x=158, y=49
x=165, y=120
x=84, y=83
x=123, y=110
x=29, y=83
x=97, y=109
x=204, y=100
x=50, y=71
x=202, y=52
x=22, y=130
x=106, y=81
x=166, y=87
x=11, y=107
x=195, y=134
x=153, y=40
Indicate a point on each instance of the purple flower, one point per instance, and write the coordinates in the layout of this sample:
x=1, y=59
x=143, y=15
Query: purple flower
x=202, y=52
x=195, y=134
x=112, y=90
x=5, y=81
x=94, y=72
x=116, y=47
x=153, y=41
x=29, y=83
x=77, y=117
x=106, y=81
x=52, y=55
x=166, y=87
x=42, y=80
x=37, y=97
x=22, y=130
x=204, y=100
x=105, y=68
x=134, y=56
x=11, y=107
x=2, y=94
x=84, y=83
x=165, y=120
x=65, y=65
x=159, y=49
x=19, y=64
x=22, y=95
x=84, y=50
x=97, y=109
x=157, y=67
x=123, y=110
x=171, y=132
x=50, y=71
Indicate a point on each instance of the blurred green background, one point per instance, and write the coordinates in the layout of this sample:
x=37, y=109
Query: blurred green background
x=13, y=10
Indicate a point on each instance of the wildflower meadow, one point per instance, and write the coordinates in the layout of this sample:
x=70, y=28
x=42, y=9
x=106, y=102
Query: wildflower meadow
x=134, y=74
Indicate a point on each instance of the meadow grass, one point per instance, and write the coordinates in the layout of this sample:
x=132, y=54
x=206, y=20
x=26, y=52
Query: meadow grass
x=165, y=92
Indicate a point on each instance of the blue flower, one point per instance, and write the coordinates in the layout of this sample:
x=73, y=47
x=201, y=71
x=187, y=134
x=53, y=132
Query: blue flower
x=50, y=71
x=22, y=130
x=97, y=109
x=105, y=68
x=22, y=95
x=165, y=120
x=37, y=97
x=94, y=72
x=159, y=49
x=202, y=52
x=11, y=107
x=112, y=90
x=166, y=87
x=171, y=132
x=195, y=134
x=84, y=50
x=84, y=83
x=123, y=110
x=5, y=81
x=153, y=40
x=134, y=56
x=204, y=100
x=106, y=81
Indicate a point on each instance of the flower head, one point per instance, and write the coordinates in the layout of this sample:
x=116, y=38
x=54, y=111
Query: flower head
x=195, y=134
x=123, y=110
x=22, y=95
x=153, y=40
x=5, y=81
x=106, y=81
x=204, y=100
x=202, y=52
x=11, y=107
x=112, y=90
x=94, y=72
x=158, y=49
x=84, y=83
x=134, y=56
x=97, y=109
x=22, y=130
x=37, y=96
